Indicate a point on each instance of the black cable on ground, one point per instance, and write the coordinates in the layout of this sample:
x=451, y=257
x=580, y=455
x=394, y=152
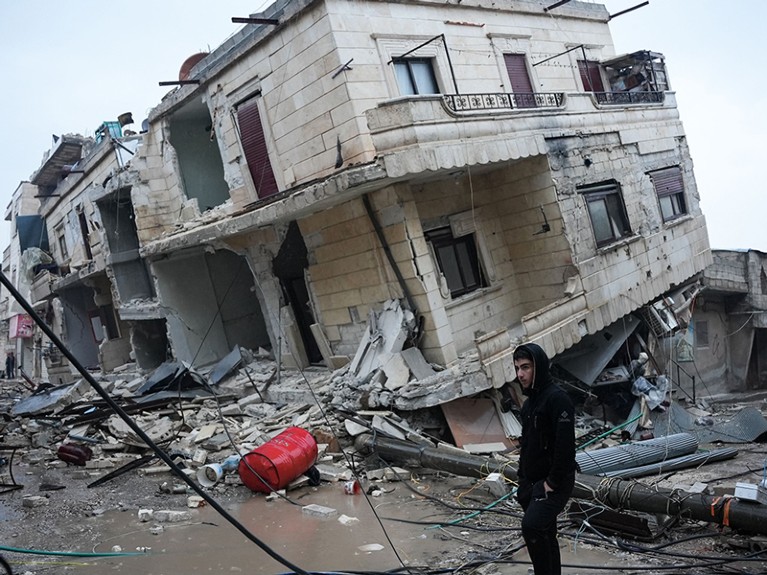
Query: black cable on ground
x=136, y=429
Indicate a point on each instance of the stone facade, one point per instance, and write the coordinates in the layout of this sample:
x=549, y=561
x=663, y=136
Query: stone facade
x=460, y=193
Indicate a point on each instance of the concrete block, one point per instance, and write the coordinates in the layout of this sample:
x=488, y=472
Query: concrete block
x=319, y=511
x=170, y=516
x=145, y=515
x=497, y=485
x=31, y=501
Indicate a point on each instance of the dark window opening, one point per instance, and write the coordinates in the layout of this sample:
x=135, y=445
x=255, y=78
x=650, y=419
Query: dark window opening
x=669, y=187
x=607, y=212
x=458, y=261
x=415, y=76
x=62, y=241
x=84, y=231
x=701, y=333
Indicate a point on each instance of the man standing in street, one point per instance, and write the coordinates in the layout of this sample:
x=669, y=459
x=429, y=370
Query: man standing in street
x=10, y=365
x=547, y=457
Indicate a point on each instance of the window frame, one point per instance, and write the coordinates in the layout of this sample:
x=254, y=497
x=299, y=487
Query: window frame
x=668, y=183
x=443, y=238
x=701, y=334
x=61, y=241
x=601, y=193
x=409, y=61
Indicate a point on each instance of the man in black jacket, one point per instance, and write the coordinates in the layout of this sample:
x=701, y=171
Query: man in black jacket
x=547, y=457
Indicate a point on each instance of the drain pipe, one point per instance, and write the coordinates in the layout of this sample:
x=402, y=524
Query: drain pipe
x=389, y=255
x=612, y=492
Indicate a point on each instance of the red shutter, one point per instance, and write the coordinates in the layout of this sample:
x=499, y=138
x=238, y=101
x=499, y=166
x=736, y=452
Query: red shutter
x=667, y=181
x=516, y=67
x=521, y=86
x=254, y=146
x=590, y=76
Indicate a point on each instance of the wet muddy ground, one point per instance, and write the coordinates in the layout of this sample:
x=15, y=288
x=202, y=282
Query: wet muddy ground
x=395, y=531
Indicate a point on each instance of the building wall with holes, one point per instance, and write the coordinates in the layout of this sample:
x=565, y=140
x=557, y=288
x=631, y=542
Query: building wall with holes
x=75, y=196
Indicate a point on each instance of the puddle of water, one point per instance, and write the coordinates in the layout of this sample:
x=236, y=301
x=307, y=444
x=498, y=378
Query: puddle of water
x=211, y=544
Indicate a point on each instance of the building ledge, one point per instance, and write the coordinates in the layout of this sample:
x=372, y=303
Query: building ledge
x=288, y=205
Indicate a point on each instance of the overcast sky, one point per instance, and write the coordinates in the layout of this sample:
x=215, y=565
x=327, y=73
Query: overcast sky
x=69, y=66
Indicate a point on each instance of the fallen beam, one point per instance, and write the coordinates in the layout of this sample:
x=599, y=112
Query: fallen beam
x=610, y=491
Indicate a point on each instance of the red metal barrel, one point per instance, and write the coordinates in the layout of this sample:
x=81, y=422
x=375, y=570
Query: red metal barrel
x=271, y=466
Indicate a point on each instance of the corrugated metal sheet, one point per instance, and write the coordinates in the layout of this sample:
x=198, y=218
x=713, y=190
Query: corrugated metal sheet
x=693, y=460
x=746, y=426
x=635, y=454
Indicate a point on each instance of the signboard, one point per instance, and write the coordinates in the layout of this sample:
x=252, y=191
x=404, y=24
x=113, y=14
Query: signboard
x=22, y=326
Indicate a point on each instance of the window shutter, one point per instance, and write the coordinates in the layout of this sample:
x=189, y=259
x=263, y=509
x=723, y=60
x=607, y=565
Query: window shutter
x=516, y=67
x=667, y=181
x=590, y=76
x=254, y=146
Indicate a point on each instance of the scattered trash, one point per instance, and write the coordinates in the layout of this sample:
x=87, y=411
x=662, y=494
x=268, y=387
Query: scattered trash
x=210, y=474
x=352, y=487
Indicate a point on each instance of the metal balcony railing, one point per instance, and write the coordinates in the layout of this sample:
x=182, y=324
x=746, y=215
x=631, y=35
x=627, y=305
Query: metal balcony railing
x=501, y=101
x=619, y=98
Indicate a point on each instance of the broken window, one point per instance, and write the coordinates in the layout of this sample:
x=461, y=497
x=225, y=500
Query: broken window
x=607, y=212
x=458, y=261
x=415, y=76
x=254, y=147
x=84, y=231
x=521, y=85
x=669, y=187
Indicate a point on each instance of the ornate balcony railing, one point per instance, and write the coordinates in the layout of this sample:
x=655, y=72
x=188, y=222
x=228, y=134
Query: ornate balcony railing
x=500, y=101
x=619, y=98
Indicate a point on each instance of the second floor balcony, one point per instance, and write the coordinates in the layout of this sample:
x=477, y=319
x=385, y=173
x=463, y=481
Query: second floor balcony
x=434, y=132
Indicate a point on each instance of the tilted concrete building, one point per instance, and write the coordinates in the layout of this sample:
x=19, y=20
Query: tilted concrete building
x=493, y=166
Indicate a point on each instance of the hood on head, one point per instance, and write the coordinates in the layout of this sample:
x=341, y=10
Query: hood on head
x=541, y=362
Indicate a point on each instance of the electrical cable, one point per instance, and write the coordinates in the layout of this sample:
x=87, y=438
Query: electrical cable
x=67, y=553
x=136, y=429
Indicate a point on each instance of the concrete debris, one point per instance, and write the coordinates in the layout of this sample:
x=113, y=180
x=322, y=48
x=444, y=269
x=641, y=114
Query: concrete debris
x=34, y=501
x=386, y=389
x=346, y=520
x=145, y=515
x=171, y=516
x=319, y=511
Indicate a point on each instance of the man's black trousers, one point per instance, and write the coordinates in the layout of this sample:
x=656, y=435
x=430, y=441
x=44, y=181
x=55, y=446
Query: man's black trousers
x=539, y=525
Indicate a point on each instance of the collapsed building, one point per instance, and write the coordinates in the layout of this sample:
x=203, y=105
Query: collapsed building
x=496, y=169
x=725, y=345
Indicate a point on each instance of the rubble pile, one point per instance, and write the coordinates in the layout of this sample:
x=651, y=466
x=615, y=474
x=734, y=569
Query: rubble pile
x=209, y=423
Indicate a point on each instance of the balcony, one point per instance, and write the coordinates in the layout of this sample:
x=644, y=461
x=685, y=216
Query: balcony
x=502, y=101
x=414, y=134
x=623, y=98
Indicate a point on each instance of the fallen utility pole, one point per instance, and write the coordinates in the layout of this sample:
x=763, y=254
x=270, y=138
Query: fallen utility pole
x=611, y=492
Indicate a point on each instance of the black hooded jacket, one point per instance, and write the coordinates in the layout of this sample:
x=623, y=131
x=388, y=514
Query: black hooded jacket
x=547, y=446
